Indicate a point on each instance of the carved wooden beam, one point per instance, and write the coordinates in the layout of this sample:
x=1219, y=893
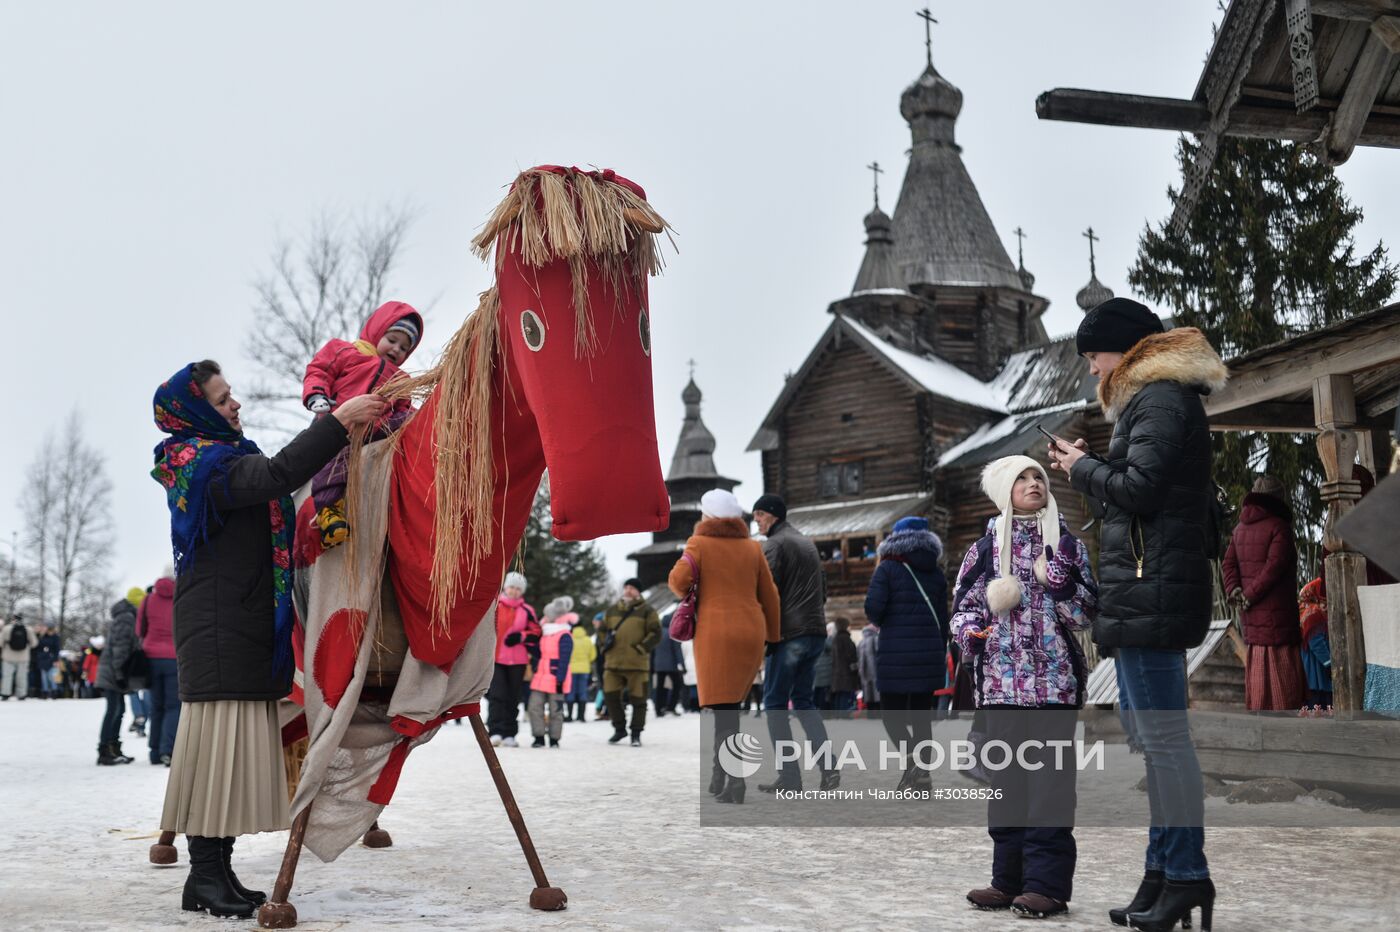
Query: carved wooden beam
x=1268, y=417
x=1387, y=29
x=1106, y=108
x=1300, y=53
x=1362, y=11
x=1224, y=76
x=1373, y=67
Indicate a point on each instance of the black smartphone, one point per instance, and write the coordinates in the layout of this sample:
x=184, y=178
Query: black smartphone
x=1057, y=441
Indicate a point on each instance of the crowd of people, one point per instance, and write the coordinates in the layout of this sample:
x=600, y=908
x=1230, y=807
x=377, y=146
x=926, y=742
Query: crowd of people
x=999, y=636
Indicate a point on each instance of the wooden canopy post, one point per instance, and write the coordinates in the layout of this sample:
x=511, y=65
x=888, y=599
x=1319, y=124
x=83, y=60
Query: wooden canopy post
x=1334, y=404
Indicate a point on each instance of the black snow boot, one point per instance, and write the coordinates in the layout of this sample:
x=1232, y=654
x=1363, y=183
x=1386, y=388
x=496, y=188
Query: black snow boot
x=114, y=748
x=256, y=897
x=104, y=755
x=208, y=886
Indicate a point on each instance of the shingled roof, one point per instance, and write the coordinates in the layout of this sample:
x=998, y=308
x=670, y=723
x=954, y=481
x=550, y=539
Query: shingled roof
x=942, y=232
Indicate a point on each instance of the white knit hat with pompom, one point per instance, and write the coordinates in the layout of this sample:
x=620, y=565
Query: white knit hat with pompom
x=998, y=479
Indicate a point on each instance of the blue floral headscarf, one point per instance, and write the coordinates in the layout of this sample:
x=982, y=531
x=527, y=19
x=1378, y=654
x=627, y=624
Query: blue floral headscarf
x=198, y=453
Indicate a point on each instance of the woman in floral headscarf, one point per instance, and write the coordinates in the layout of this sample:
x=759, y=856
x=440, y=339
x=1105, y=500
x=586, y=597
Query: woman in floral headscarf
x=231, y=525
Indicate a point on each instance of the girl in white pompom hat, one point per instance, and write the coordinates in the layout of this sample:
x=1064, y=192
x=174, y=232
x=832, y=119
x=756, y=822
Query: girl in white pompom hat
x=1022, y=590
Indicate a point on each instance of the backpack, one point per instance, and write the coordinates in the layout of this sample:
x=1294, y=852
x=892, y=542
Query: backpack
x=19, y=637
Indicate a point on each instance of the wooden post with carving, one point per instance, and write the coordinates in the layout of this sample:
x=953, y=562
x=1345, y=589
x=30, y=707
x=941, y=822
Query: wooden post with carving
x=1334, y=404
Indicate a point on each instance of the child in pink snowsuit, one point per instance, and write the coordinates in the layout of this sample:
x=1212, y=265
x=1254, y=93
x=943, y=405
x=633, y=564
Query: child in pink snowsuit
x=340, y=371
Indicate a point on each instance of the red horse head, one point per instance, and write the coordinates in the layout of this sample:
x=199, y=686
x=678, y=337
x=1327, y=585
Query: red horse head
x=573, y=253
x=552, y=371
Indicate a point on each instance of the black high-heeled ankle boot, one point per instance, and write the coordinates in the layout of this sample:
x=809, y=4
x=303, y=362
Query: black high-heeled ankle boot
x=734, y=789
x=1143, y=900
x=208, y=885
x=1177, y=900
x=256, y=897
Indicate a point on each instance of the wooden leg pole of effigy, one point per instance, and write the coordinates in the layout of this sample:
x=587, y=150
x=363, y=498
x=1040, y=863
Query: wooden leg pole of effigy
x=376, y=837
x=277, y=913
x=163, y=851
x=543, y=896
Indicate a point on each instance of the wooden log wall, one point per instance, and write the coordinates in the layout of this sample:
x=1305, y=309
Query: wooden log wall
x=849, y=408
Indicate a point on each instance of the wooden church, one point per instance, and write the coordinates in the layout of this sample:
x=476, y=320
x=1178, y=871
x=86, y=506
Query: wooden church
x=936, y=363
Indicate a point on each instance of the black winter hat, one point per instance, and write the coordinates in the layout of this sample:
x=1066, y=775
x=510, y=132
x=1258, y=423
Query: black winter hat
x=1115, y=326
x=772, y=504
x=634, y=582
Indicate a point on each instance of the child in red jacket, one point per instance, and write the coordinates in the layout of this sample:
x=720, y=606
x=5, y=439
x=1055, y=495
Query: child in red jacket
x=340, y=371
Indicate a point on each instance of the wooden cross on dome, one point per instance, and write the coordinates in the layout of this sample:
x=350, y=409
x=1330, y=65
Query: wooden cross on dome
x=928, y=19
x=877, y=171
x=1020, y=235
x=1089, y=235
x=691, y=363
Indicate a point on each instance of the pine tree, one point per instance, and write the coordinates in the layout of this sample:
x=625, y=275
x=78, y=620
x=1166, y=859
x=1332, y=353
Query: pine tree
x=556, y=567
x=1269, y=253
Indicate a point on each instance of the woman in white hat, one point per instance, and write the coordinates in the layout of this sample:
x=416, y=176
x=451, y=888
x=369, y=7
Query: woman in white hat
x=738, y=614
x=1021, y=591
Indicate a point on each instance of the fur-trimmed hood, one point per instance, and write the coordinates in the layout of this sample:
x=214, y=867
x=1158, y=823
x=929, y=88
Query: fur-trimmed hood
x=722, y=527
x=1257, y=506
x=904, y=543
x=1182, y=355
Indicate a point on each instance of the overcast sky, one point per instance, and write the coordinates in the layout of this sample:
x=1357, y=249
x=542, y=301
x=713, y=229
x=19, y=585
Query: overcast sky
x=153, y=152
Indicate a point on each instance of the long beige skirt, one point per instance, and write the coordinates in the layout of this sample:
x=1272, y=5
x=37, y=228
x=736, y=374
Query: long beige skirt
x=226, y=776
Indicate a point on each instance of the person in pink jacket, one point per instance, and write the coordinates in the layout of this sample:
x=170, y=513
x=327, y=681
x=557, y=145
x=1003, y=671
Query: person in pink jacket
x=155, y=628
x=341, y=370
x=517, y=642
x=553, y=677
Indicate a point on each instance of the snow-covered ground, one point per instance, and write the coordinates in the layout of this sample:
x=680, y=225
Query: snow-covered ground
x=619, y=830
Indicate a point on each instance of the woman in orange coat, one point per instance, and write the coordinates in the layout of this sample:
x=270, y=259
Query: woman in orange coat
x=738, y=613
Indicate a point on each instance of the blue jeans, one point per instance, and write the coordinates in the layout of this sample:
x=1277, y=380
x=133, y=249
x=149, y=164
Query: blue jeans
x=49, y=682
x=578, y=688
x=788, y=677
x=138, y=703
x=1154, y=681
x=163, y=707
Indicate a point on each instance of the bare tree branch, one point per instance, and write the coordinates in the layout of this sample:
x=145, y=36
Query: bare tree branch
x=320, y=285
x=67, y=504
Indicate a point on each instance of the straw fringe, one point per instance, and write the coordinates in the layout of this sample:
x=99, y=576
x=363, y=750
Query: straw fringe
x=578, y=217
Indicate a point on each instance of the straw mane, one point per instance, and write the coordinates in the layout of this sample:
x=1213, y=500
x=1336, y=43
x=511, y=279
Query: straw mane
x=577, y=217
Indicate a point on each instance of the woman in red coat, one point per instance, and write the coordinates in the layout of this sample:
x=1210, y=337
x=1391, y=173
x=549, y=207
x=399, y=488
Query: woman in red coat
x=1261, y=575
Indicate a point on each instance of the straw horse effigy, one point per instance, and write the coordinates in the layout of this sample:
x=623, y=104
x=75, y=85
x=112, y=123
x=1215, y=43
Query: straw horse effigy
x=553, y=370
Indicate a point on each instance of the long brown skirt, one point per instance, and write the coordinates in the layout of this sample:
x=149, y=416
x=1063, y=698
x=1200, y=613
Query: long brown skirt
x=226, y=776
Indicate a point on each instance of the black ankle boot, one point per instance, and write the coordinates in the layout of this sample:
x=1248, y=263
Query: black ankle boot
x=208, y=886
x=733, y=791
x=256, y=897
x=114, y=748
x=717, y=778
x=104, y=755
x=1178, y=898
x=1143, y=900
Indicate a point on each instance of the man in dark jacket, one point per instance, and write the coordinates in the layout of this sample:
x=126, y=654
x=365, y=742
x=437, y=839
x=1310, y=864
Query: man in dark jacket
x=1153, y=492
x=1260, y=570
x=113, y=683
x=789, y=675
x=44, y=658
